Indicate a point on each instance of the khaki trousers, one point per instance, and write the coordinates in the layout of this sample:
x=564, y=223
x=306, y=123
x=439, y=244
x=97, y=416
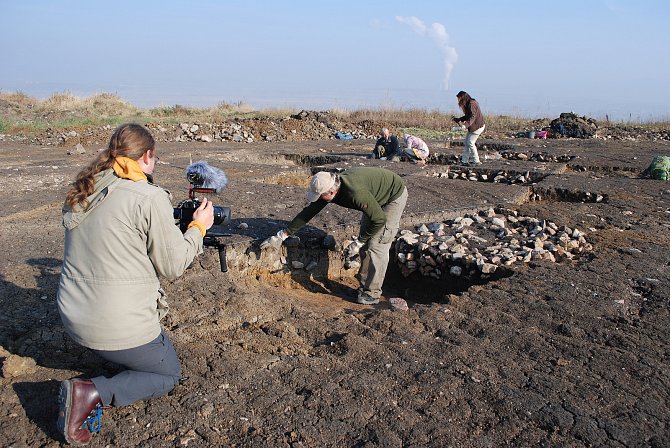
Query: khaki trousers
x=375, y=255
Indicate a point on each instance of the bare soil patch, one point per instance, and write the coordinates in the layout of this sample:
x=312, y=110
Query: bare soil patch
x=574, y=353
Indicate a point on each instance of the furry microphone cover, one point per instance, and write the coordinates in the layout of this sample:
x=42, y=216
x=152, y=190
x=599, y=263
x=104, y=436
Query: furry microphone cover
x=207, y=175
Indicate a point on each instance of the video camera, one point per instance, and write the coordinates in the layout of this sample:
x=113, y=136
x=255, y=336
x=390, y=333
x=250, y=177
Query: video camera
x=205, y=179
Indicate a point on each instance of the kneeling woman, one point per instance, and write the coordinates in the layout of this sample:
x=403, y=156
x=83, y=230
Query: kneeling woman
x=119, y=237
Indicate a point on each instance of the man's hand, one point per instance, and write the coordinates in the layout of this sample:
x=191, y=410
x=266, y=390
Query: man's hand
x=275, y=241
x=204, y=214
x=353, y=248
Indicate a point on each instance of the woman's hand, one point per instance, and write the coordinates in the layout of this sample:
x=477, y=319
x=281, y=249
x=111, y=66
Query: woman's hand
x=204, y=214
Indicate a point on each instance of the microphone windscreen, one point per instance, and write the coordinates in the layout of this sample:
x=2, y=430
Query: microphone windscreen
x=207, y=175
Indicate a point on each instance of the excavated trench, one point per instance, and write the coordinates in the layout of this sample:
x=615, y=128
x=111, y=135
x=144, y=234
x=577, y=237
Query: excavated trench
x=282, y=159
x=315, y=262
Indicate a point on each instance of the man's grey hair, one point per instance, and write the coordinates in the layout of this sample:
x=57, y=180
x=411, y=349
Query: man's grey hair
x=336, y=185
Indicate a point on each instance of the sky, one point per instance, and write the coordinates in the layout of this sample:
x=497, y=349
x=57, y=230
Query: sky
x=529, y=58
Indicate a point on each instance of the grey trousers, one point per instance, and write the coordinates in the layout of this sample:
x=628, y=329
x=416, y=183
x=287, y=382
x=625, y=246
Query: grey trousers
x=375, y=256
x=153, y=371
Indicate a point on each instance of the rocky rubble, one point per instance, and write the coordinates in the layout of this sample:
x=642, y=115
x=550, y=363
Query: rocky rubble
x=306, y=125
x=502, y=176
x=537, y=156
x=478, y=244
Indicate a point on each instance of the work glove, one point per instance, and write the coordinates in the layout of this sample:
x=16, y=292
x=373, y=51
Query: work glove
x=292, y=241
x=454, y=119
x=353, y=248
x=275, y=241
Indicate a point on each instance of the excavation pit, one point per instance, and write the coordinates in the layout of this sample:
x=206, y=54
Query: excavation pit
x=281, y=159
x=427, y=262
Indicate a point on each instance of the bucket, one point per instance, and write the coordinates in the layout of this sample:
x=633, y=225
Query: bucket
x=531, y=134
x=541, y=134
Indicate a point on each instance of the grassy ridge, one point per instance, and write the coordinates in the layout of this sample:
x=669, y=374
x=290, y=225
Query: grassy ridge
x=20, y=113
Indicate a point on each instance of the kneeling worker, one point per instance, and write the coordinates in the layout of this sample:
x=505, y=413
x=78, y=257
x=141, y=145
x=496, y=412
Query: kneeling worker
x=387, y=146
x=381, y=195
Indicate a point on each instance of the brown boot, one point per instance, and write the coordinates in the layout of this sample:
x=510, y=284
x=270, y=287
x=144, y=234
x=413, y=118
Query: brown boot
x=80, y=411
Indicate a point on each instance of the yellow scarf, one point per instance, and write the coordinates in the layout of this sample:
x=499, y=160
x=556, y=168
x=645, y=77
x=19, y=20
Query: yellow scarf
x=127, y=168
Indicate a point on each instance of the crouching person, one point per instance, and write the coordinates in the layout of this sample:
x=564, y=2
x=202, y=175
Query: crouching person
x=119, y=237
x=386, y=146
x=416, y=150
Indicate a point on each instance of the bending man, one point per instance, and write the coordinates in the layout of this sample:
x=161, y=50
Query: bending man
x=381, y=195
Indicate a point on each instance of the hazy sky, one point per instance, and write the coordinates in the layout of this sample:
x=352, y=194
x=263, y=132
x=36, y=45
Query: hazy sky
x=532, y=58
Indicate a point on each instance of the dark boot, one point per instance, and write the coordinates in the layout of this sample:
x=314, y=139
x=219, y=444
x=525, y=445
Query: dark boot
x=365, y=299
x=80, y=411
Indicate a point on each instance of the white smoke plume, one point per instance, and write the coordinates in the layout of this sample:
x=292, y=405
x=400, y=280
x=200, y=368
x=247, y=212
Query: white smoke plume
x=438, y=34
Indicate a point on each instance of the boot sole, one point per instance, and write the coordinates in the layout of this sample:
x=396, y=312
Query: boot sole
x=367, y=302
x=64, y=403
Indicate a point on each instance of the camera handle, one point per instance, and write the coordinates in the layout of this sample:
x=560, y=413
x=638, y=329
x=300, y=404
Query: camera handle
x=213, y=242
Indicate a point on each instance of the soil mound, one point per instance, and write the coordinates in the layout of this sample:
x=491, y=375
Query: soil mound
x=571, y=125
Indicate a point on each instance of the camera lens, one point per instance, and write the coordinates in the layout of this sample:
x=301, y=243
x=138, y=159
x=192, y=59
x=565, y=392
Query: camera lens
x=221, y=215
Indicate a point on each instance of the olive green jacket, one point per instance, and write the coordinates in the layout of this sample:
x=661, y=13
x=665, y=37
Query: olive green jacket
x=367, y=189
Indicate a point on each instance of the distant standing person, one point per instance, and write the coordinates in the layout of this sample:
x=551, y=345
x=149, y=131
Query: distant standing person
x=386, y=146
x=474, y=121
x=416, y=150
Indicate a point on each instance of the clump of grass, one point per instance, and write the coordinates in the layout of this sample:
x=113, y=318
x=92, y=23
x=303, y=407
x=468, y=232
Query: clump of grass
x=4, y=126
x=26, y=114
x=18, y=100
x=220, y=111
x=241, y=107
x=108, y=105
x=99, y=105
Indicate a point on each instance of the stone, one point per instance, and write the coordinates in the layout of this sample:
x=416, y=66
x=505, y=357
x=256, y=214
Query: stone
x=398, y=304
x=15, y=365
x=498, y=222
x=456, y=271
x=329, y=242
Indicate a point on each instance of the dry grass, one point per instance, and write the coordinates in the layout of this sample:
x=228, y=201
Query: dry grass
x=100, y=105
x=222, y=111
x=60, y=110
x=436, y=124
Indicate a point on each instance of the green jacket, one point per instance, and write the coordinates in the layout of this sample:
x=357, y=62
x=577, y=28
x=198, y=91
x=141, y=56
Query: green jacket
x=114, y=252
x=367, y=189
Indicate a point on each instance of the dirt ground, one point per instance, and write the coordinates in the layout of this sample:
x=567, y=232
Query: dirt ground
x=575, y=353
